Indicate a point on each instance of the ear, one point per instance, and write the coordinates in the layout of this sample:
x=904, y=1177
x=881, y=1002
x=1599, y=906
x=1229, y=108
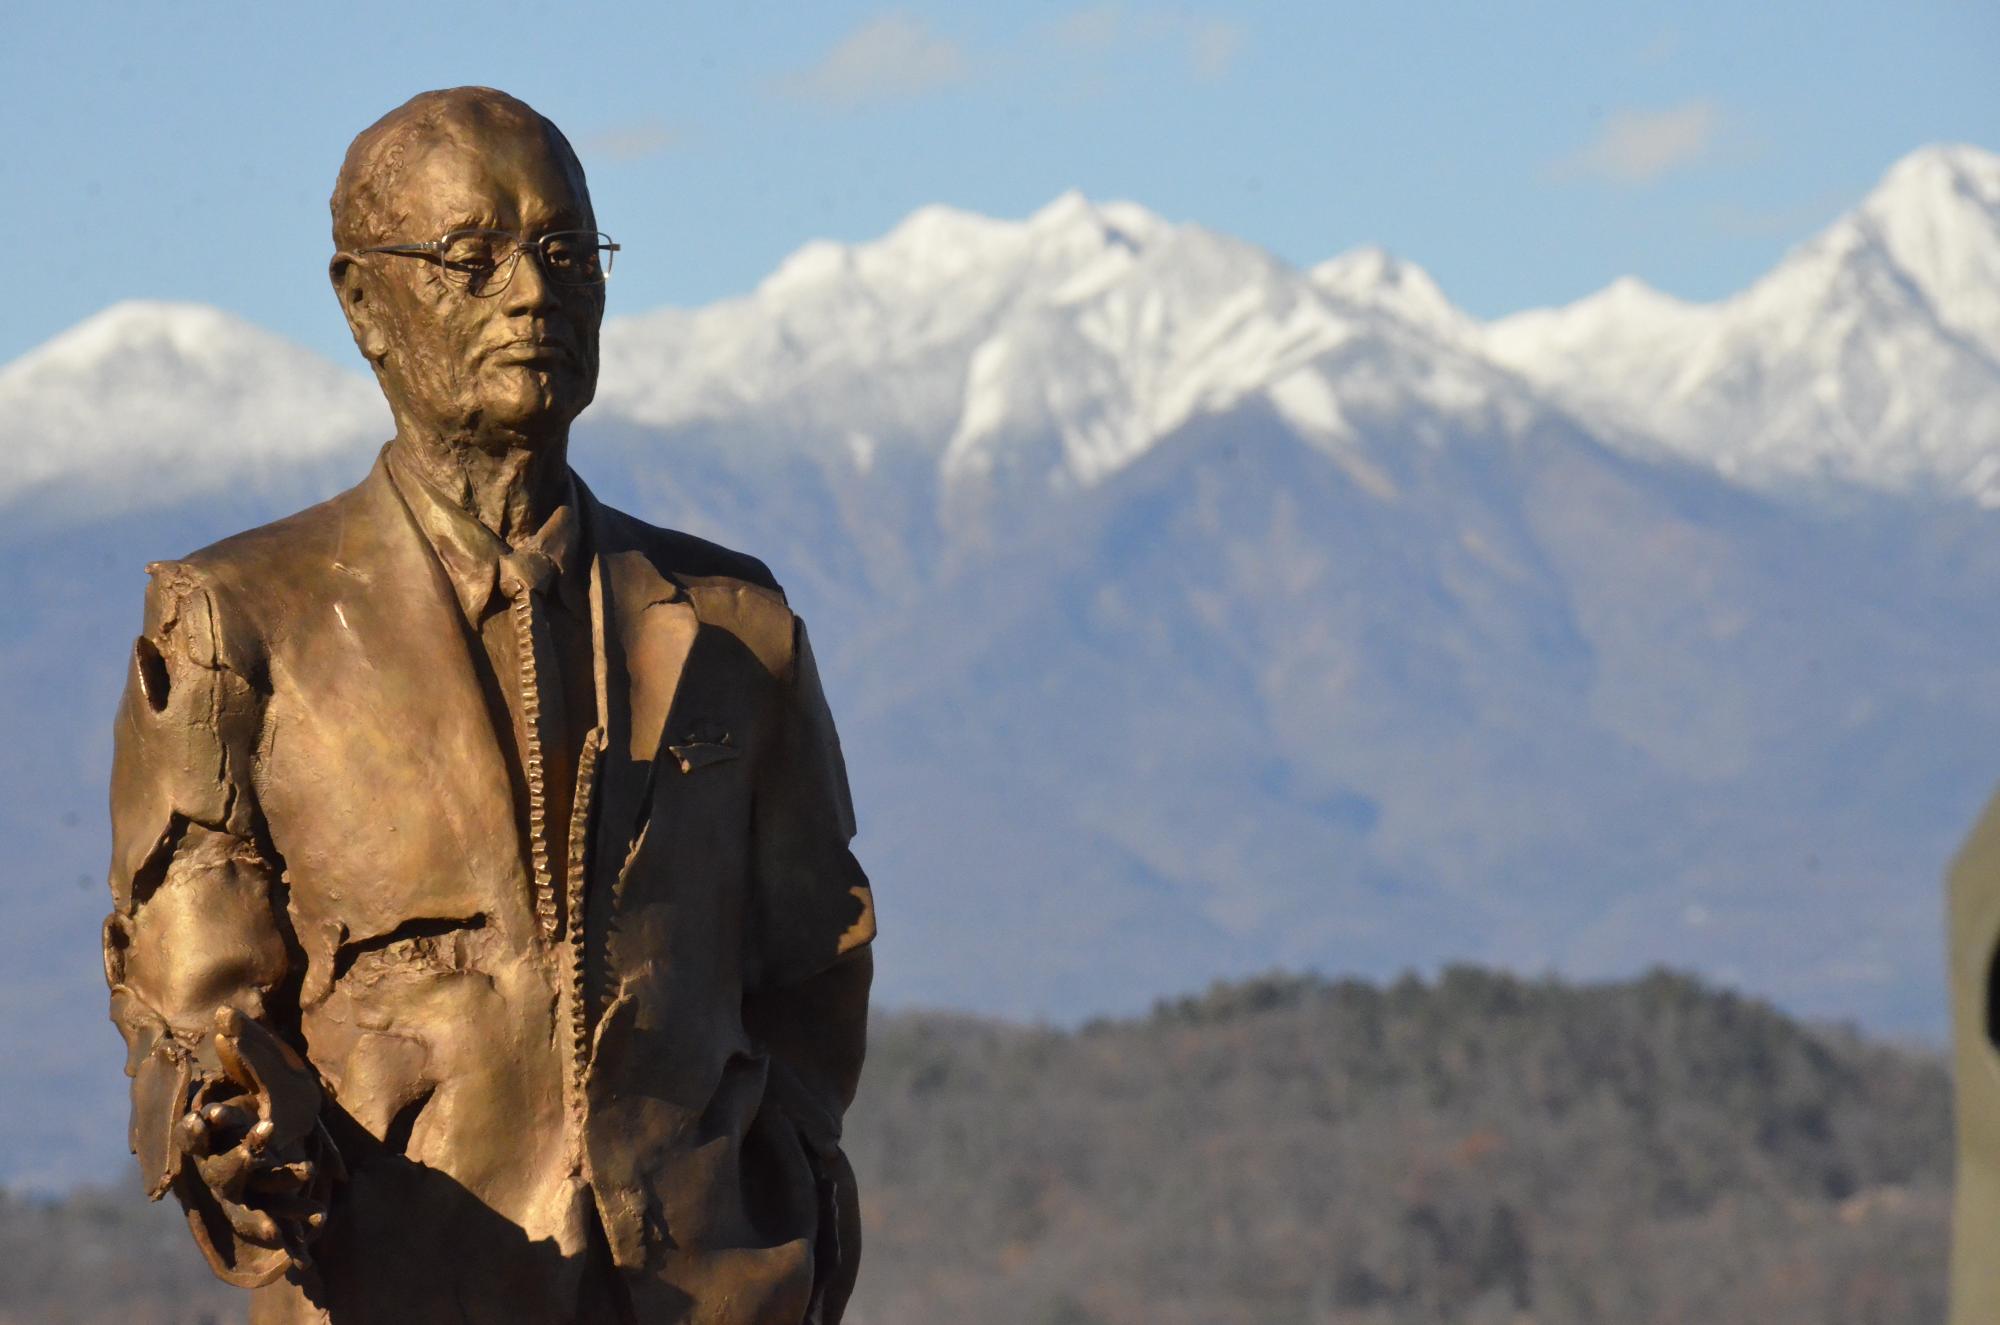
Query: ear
x=359, y=301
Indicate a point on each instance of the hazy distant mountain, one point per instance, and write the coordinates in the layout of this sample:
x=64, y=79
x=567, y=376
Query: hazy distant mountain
x=1186, y=612
x=1870, y=355
x=1482, y=1149
x=146, y=404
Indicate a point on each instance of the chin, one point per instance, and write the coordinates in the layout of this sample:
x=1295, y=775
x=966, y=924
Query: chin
x=535, y=403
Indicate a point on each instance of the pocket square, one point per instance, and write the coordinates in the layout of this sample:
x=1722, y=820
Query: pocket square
x=700, y=754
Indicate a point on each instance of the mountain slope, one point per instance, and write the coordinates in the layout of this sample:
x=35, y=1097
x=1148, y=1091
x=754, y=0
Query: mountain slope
x=1480, y=1148
x=1039, y=354
x=1185, y=612
x=1870, y=357
x=150, y=403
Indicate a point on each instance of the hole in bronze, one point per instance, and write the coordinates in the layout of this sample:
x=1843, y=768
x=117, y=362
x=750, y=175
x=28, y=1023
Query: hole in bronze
x=419, y=928
x=153, y=682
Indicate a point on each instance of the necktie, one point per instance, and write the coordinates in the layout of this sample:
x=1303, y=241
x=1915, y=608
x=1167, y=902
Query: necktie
x=525, y=570
x=524, y=573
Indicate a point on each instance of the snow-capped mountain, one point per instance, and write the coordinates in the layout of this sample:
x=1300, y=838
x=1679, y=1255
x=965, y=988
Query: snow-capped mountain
x=1869, y=357
x=1375, y=279
x=1057, y=349
x=151, y=403
x=1053, y=350
x=1188, y=613
x=1937, y=216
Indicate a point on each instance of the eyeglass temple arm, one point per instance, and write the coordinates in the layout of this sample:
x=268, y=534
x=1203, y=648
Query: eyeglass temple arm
x=436, y=246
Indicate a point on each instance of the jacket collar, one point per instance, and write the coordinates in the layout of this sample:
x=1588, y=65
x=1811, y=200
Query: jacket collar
x=471, y=553
x=643, y=624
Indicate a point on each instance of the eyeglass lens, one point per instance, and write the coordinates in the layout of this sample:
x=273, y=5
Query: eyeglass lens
x=483, y=261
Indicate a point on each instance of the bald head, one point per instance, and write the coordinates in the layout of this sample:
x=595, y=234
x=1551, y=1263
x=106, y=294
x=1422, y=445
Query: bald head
x=371, y=199
x=502, y=370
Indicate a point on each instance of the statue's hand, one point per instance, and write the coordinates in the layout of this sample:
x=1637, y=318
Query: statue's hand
x=254, y=1137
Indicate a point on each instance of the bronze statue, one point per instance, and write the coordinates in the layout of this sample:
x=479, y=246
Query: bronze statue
x=485, y=936
x=1973, y=967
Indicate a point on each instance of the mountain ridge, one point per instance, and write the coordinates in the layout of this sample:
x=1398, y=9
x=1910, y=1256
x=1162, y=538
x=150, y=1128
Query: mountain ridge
x=1105, y=327
x=1478, y=1147
x=1188, y=613
x=1868, y=357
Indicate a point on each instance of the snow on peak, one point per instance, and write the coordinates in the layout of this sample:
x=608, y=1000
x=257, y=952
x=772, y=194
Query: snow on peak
x=814, y=263
x=929, y=246
x=1618, y=329
x=944, y=240
x=937, y=245
x=1374, y=278
x=1936, y=214
x=1869, y=356
x=1074, y=220
x=1066, y=210
x=862, y=326
x=1058, y=347
x=1941, y=168
x=1054, y=349
x=1631, y=297
x=192, y=333
x=151, y=399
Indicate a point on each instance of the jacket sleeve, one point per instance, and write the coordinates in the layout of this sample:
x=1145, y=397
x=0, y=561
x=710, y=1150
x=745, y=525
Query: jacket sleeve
x=808, y=1000
x=195, y=940
x=815, y=906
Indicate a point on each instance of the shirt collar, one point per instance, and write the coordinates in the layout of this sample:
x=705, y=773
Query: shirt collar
x=470, y=552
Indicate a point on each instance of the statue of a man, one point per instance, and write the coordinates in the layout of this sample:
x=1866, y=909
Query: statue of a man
x=486, y=940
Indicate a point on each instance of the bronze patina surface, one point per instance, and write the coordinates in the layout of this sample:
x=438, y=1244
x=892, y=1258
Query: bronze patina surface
x=1973, y=968
x=485, y=936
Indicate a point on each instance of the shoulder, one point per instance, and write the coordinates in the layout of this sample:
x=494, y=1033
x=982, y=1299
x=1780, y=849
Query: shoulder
x=223, y=594
x=728, y=590
x=683, y=555
x=188, y=727
x=272, y=554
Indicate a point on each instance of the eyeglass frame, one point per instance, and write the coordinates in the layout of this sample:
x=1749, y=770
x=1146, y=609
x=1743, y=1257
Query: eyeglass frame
x=434, y=250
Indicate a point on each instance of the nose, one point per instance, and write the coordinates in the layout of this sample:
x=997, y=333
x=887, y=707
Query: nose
x=531, y=289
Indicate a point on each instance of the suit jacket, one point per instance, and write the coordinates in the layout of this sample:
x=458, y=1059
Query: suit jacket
x=313, y=824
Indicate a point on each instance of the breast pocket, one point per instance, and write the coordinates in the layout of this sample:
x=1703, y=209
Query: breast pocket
x=692, y=848
x=693, y=756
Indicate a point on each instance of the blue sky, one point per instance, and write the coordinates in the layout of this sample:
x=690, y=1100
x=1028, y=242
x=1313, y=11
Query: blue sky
x=1525, y=154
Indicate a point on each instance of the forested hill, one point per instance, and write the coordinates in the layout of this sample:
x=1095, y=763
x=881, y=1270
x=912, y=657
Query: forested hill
x=1480, y=1148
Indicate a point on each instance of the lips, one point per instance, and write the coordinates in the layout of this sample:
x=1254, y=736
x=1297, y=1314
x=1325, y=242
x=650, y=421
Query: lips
x=533, y=352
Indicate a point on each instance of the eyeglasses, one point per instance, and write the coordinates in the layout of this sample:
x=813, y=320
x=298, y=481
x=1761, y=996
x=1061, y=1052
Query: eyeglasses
x=482, y=262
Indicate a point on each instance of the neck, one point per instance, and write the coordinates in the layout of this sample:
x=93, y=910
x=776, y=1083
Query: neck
x=511, y=489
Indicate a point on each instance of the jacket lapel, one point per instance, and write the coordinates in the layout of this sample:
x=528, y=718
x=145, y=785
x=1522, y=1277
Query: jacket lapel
x=648, y=629
x=407, y=703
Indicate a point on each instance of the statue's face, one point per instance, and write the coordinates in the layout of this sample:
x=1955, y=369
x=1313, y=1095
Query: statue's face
x=509, y=368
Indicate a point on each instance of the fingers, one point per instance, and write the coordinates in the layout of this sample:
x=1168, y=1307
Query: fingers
x=191, y=1135
x=264, y=1202
x=228, y=1119
x=248, y=1149
x=214, y=1128
x=245, y=1168
x=282, y=1179
x=251, y=1224
x=250, y=1048
x=286, y=1094
x=231, y=1028
x=226, y=1172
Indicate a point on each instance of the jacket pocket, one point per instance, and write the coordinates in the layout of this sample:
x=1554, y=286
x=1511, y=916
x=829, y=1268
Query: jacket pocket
x=701, y=754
